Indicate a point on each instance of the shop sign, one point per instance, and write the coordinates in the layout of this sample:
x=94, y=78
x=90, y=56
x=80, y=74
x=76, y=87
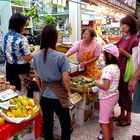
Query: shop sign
x=129, y=5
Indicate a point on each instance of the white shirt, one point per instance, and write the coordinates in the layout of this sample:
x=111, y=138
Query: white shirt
x=111, y=73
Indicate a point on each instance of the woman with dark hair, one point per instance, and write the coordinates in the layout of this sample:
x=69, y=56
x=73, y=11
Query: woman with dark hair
x=88, y=52
x=108, y=90
x=125, y=45
x=51, y=71
x=17, y=54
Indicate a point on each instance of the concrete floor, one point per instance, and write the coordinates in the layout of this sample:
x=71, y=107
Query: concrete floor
x=90, y=130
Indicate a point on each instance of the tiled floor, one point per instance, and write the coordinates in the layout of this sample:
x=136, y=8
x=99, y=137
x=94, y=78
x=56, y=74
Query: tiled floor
x=90, y=130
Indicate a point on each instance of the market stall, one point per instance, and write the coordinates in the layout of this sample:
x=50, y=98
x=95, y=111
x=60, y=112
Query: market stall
x=19, y=115
x=29, y=129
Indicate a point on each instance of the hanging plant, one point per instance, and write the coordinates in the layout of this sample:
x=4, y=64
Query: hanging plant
x=49, y=20
x=32, y=12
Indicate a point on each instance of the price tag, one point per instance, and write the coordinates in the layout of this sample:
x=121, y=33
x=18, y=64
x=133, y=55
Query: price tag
x=8, y=94
x=75, y=98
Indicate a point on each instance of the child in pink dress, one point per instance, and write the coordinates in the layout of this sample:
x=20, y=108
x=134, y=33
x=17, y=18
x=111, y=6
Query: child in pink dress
x=108, y=90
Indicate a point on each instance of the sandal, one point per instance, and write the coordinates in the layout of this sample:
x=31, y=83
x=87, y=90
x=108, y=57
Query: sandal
x=102, y=138
x=122, y=123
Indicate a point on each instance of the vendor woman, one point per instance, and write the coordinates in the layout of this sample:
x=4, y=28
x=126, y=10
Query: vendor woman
x=88, y=52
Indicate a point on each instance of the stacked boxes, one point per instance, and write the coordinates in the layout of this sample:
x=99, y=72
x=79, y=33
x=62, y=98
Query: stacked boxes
x=85, y=109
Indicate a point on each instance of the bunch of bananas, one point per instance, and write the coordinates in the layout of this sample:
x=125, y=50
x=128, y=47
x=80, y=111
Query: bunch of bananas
x=24, y=107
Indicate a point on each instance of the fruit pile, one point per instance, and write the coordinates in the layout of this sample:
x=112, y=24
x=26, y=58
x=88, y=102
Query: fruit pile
x=33, y=47
x=82, y=82
x=22, y=107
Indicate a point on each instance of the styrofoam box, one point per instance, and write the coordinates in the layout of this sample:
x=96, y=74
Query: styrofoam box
x=74, y=68
x=85, y=109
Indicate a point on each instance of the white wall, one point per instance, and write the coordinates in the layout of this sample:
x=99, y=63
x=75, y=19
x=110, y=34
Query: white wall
x=75, y=20
x=5, y=12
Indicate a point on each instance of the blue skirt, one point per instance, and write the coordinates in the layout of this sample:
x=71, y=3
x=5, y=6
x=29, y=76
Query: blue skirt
x=136, y=99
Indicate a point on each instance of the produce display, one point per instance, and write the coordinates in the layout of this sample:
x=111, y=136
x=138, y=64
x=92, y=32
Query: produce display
x=2, y=120
x=4, y=85
x=21, y=106
x=33, y=47
x=82, y=82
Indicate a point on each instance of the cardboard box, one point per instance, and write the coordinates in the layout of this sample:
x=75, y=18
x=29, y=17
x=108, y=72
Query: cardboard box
x=85, y=109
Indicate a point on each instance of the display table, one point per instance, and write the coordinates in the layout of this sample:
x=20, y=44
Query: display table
x=9, y=130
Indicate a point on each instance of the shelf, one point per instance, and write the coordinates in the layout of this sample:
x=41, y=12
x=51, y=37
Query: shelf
x=20, y=6
x=56, y=14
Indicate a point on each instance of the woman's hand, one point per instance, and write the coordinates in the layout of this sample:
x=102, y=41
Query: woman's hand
x=83, y=64
x=97, y=82
x=132, y=84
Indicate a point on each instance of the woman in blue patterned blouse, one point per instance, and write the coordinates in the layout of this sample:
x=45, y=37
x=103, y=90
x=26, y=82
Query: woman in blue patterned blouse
x=17, y=54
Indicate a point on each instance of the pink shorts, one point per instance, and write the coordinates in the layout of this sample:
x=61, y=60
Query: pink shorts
x=106, y=108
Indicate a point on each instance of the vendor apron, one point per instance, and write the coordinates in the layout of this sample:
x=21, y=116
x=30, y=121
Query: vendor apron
x=91, y=69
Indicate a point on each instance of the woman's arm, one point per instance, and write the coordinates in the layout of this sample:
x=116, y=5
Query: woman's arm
x=92, y=60
x=134, y=79
x=104, y=85
x=30, y=56
x=68, y=53
x=89, y=61
x=66, y=81
x=38, y=81
x=75, y=48
x=125, y=53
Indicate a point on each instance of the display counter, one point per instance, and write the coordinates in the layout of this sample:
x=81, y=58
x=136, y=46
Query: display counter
x=64, y=46
x=30, y=129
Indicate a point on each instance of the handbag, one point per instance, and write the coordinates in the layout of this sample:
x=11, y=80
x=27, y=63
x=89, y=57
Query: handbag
x=129, y=69
x=136, y=56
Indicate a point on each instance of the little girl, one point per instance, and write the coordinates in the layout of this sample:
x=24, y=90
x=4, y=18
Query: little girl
x=108, y=90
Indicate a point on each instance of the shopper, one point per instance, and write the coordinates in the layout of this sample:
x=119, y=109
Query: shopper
x=134, y=87
x=125, y=45
x=17, y=54
x=108, y=90
x=51, y=71
x=88, y=52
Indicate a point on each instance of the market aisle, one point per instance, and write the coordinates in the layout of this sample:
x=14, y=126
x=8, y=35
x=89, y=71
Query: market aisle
x=90, y=130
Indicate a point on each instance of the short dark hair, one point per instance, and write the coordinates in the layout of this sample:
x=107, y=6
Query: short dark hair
x=16, y=22
x=48, y=39
x=109, y=61
x=131, y=22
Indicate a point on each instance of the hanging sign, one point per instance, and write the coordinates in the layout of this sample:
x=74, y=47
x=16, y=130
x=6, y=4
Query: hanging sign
x=129, y=5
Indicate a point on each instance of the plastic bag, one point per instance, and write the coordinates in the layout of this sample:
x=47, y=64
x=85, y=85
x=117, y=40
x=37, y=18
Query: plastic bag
x=129, y=70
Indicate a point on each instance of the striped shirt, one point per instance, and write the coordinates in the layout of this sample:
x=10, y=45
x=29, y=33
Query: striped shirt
x=15, y=47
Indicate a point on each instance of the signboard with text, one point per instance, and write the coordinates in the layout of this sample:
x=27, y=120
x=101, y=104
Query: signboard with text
x=129, y=5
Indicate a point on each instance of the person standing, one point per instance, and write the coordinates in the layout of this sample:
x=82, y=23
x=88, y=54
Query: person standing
x=108, y=90
x=134, y=87
x=51, y=72
x=17, y=54
x=88, y=52
x=125, y=45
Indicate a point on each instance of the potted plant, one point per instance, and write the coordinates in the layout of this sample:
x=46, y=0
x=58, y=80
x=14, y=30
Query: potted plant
x=32, y=12
x=49, y=20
